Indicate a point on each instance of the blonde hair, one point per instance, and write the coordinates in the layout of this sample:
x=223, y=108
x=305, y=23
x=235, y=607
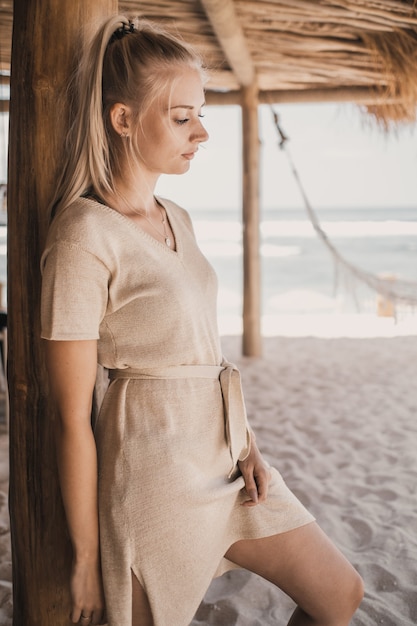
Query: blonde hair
x=126, y=62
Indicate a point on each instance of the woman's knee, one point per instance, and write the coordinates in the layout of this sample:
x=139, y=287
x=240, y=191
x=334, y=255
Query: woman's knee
x=344, y=599
x=353, y=592
x=308, y=567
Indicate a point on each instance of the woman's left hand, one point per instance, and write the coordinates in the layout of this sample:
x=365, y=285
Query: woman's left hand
x=256, y=475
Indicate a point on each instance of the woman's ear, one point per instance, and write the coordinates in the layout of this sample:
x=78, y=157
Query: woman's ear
x=120, y=119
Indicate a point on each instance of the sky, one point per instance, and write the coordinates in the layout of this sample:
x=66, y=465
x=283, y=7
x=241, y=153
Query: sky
x=343, y=158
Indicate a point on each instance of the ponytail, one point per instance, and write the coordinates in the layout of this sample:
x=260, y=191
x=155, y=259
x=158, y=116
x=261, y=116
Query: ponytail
x=126, y=62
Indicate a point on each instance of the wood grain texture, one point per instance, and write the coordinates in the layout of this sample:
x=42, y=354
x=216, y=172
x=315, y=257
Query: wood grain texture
x=250, y=205
x=45, y=36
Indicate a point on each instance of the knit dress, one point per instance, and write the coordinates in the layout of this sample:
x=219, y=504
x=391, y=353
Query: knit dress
x=172, y=424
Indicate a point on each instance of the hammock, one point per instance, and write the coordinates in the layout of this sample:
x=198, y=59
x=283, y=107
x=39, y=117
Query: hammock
x=392, y=289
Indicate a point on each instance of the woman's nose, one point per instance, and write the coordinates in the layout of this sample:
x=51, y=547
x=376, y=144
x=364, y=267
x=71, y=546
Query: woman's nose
x=200, y=134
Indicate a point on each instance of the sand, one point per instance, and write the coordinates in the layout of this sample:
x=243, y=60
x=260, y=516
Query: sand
x=338, y=419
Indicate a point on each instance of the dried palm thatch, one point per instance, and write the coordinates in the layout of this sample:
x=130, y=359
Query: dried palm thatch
x=363, y=50
x=296, y=50
x=395, y=55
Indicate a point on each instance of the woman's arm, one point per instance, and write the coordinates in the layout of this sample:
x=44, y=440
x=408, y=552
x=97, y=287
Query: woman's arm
x=72, y=369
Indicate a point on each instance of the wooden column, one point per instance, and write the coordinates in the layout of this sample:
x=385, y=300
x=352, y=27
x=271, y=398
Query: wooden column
x=252, y=345
x=46, y=34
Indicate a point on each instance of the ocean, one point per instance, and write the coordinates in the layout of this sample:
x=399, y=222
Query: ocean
x=299, y=282
x=298, y=278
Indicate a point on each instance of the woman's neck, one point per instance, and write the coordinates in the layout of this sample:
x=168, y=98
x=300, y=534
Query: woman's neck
x=141, y=206
x=132, y=198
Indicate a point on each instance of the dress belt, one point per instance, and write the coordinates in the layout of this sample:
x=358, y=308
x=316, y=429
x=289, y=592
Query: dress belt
x=236, y=424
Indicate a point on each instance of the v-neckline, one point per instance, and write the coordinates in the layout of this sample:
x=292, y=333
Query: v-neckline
x=140, y=230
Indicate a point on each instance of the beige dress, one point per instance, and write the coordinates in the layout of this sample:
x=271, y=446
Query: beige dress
x=172, y=424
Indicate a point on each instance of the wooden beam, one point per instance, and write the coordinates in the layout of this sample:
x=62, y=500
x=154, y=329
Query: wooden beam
x=356, y=95
x=45, y=38
x=223, y=18
x=251, y=345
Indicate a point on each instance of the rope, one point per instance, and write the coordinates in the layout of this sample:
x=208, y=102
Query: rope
x=395, y=290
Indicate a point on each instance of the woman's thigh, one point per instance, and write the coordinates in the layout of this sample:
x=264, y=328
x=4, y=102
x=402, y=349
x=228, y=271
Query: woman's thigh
x=141, y=611
x=307, y=566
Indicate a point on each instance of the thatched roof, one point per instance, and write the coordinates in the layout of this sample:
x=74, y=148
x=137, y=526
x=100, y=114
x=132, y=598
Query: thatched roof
x=296, y=50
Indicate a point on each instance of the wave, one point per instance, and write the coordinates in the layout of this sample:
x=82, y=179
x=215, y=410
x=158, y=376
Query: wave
x=231, y=231
x=220, y=230
x=216, y=249
x=269, y=250
x=339, y=229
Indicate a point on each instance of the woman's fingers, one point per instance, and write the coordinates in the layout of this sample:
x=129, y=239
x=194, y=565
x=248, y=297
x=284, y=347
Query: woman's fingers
x=75, y=615
x=263, y=478
x=85, y=617
x=256, y=475
x=256, y=485
x=251, y=488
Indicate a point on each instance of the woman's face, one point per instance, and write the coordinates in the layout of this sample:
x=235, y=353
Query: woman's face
x=169, y=134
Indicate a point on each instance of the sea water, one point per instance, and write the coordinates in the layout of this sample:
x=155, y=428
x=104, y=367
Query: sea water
x=301, y=291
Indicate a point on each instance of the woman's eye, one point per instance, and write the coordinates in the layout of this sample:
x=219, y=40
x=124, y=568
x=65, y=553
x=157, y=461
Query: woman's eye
x=181, y=122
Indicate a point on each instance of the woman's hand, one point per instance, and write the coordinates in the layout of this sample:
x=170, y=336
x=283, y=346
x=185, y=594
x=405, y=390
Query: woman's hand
x=87, y=594
x=256, y=475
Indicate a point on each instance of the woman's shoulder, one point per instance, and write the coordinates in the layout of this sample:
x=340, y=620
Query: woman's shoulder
x=80, y=214
x=83, y=222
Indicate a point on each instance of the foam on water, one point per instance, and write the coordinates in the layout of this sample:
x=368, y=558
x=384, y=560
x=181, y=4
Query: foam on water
x=326, y=326
x=297, y=273
x=387, y=228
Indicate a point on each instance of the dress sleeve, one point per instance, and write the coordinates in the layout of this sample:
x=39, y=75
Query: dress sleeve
x=74, y=293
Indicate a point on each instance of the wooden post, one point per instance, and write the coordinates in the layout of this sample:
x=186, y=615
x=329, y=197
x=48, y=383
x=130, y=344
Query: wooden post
x=45, y=36
x=252, y=345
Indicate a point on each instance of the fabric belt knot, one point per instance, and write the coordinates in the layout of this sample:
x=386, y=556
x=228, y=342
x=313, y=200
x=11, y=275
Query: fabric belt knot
x=236, y=425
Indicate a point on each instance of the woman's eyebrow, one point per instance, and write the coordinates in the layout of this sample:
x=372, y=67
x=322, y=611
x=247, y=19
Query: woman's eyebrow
x=185, y=106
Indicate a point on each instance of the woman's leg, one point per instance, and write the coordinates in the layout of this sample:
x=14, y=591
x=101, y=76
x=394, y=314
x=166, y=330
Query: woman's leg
x=141, y=611
x=310, y=569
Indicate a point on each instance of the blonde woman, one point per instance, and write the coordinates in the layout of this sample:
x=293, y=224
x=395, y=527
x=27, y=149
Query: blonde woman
x=167, y=488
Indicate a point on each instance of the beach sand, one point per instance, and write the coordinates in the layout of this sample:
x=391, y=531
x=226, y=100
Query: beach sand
x=337, y=417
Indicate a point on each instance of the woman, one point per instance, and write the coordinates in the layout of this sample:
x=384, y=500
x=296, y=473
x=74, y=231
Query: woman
x=170, y=490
